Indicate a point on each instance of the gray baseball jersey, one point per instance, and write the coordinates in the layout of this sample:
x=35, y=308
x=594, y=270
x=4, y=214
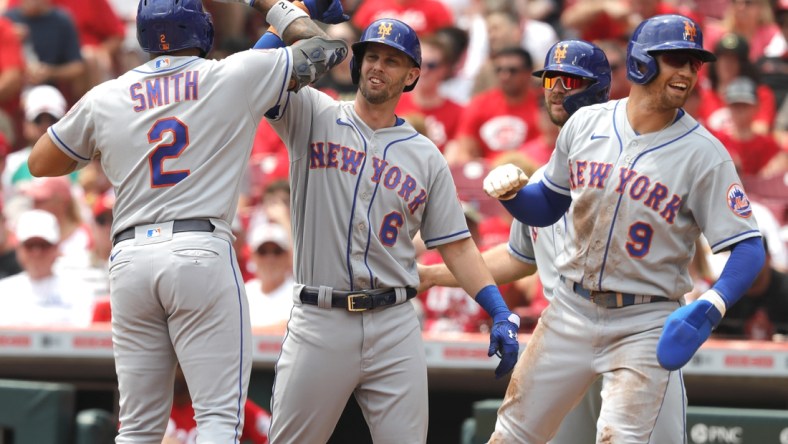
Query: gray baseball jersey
x=174, y=136
x=639, y=202
x=542, y=245
x=358, y=198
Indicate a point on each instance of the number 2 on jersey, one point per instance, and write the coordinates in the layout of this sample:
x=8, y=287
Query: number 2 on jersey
x=640, y=234
x=159, y=177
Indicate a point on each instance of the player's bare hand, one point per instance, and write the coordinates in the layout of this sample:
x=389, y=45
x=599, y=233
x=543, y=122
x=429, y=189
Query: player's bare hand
x=503, y=342
x=505, y=181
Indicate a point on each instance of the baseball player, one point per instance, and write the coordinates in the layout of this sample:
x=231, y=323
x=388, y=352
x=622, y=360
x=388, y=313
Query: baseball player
x=176, y=289
x=641, y=180
x=364, y=182
x=575, y=74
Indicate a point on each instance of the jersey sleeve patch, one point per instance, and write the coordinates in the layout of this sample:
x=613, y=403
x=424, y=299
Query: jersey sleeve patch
x=738, y=201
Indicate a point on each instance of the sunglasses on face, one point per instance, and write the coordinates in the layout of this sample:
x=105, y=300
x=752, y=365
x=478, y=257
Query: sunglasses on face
x=508, y=69
x=104, y=219
x=431, y=65
x=568, y=82
x=679, y=60
x=273, y=251
x=37, y=245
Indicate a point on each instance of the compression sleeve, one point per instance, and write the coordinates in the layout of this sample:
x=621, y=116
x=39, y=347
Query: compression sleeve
x=745, y=262
x=269, y=40
x=537, y=206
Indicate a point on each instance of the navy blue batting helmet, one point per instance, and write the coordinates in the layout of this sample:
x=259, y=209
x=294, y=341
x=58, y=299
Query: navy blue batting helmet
x=662, y=33
x=582, y=59
x=389, y=32
x=169, y=25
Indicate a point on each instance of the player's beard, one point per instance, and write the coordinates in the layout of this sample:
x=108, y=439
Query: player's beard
x=667, y=97
x=391, y=91
x=558, y=118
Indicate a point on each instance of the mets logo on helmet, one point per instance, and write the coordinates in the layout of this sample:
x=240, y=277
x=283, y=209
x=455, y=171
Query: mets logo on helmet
x=384, y=30
x=738, y=202
x=560, y=54
x=689, y=31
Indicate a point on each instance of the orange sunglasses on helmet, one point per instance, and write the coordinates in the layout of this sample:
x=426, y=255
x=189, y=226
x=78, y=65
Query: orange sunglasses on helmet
x=549, y=80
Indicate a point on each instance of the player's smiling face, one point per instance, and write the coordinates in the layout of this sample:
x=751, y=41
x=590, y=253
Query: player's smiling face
x=678, y=74
x=385, y=71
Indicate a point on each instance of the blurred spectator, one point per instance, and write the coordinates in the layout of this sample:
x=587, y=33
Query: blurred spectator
x=457, y=86
x=8, y=262
x=753, y=20
x=751, y=152
x=593, y=20
x=130, y=54
x=182, y=428
x=424, y=16
x=338, y=83
x=732, y=62
x=503, y=118
x=540, y=149
x=101, y=34
x=38, y=296
x=773, y=66
x=441, y=115
x=51, y=43
x=270, y=293
x=502, y=27
x=274, y=206
x=763, y=311
x=616, y=53
x=43, y=106
x=12, y=78
x=55, y=195
x=94, y=272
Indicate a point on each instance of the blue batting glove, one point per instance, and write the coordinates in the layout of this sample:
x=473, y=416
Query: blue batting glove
x=686, y=329
x=329, y=12
x=503, y=342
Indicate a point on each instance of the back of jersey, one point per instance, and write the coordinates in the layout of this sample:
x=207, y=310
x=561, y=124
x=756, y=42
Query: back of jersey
x=175, y=134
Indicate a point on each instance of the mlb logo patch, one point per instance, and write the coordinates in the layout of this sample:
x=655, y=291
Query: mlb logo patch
x=162, y=63
x=153, y=232
x=738, y=201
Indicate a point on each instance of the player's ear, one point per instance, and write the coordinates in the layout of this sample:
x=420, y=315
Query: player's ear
x=413, y=75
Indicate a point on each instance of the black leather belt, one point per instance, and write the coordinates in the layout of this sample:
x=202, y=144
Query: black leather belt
x=612, y=299
x=178, y=226
x=361, y=300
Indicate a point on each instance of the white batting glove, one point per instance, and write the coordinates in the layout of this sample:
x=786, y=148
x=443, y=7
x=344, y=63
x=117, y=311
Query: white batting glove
x=505, y=181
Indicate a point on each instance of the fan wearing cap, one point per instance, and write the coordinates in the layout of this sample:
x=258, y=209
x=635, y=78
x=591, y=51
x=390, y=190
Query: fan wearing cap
x=270, y=293
x=43, y=106
x=732, y=62
x=750, y=151
x=39, y=296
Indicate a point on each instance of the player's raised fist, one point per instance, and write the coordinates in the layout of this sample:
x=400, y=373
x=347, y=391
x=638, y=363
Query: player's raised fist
x=504, y=181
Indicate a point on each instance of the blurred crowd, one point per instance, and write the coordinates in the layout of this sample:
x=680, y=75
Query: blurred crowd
x=476, y=99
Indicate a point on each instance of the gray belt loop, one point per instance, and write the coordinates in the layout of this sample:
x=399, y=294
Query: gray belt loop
x=402, y=295
x=324, y=297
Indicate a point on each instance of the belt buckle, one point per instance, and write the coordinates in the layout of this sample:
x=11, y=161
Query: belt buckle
x=351, y=302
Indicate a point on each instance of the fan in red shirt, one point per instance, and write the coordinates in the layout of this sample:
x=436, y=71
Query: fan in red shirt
x=441, y=115
x=424, y=16
x=750, y=151
x=503, y=118
x=732, y=61
x=182, y=429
